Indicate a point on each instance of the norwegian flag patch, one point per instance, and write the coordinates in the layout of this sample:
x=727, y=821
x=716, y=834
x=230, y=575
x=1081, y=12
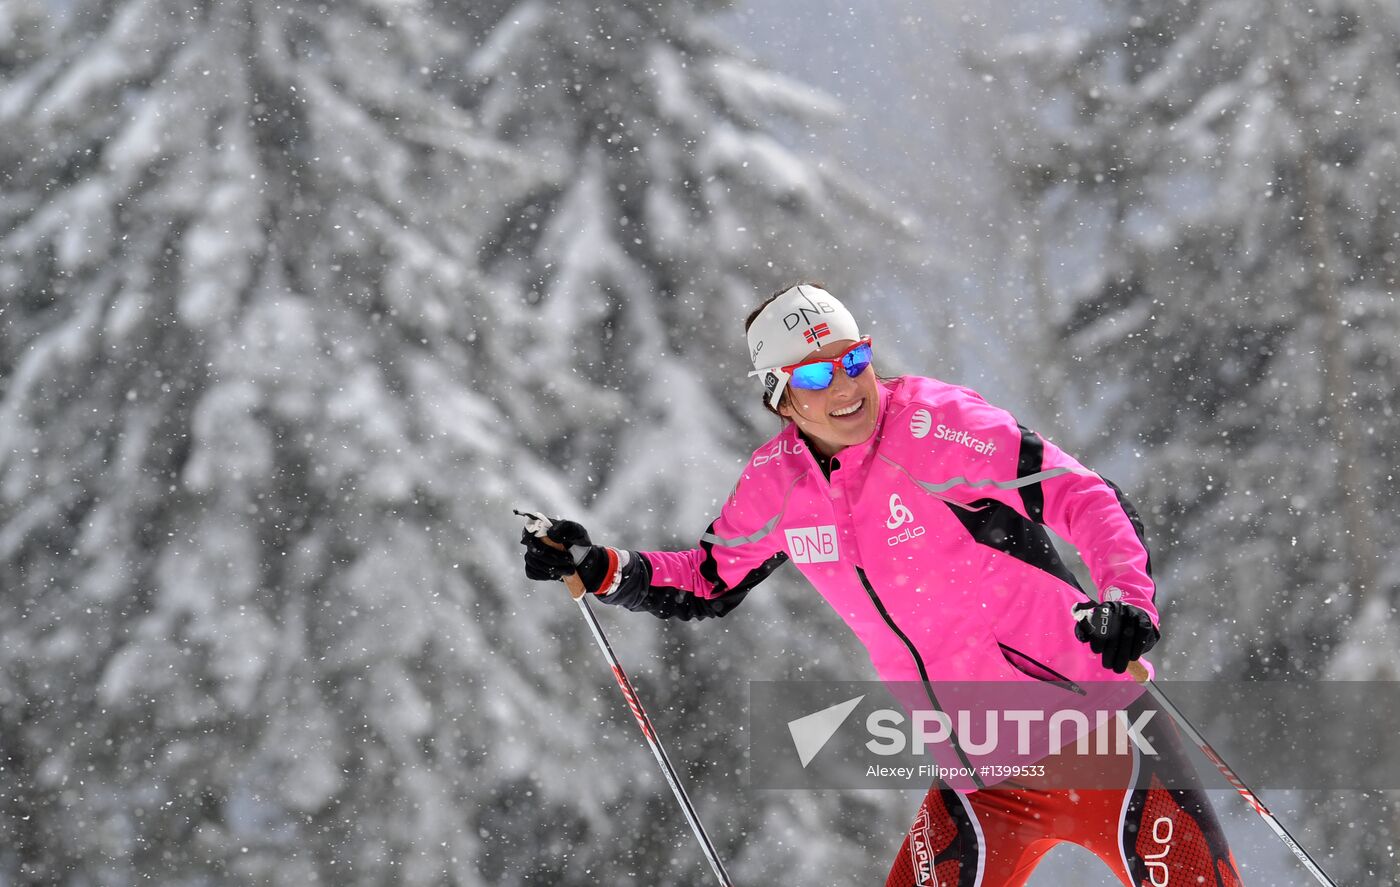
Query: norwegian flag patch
x=816, y=332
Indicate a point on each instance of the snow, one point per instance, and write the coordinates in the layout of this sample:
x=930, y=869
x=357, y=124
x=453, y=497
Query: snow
x=299, y=302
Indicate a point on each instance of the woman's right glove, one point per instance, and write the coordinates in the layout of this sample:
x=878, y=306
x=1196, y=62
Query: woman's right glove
x=545, y=563
x=1119, y=632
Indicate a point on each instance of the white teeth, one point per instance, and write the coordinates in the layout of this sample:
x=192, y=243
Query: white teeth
x=848, y=410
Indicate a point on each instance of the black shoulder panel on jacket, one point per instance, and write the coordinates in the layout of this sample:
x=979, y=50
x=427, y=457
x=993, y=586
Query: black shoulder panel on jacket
x=1031, y=460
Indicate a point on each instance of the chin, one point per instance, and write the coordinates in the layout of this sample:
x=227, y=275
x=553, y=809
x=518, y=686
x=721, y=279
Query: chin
x=862, y=435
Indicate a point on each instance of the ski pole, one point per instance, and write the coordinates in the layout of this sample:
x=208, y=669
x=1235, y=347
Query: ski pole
x=537, y=525
x=1139, y=673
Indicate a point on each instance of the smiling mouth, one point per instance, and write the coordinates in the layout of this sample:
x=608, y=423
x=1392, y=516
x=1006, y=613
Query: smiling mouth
x=848, y=411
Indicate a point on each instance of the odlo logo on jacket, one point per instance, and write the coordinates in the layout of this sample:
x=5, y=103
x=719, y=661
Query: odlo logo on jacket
x=899, y=516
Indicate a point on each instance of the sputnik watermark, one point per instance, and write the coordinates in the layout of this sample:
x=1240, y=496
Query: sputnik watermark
x=892, y=733
x=935, y=727
x=869, y=734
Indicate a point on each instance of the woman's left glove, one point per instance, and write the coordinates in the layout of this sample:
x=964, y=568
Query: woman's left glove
x=1118, y=631
x=579, y=555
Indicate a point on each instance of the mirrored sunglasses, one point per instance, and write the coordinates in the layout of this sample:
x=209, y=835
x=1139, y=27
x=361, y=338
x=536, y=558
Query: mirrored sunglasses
x=815, y=375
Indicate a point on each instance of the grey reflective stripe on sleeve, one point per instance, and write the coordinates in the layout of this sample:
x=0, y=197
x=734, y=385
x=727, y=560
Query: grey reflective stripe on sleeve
x=1016, y=484
x=762, y=531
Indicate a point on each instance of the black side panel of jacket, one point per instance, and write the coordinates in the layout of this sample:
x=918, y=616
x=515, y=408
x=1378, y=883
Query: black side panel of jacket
x=635, y=591
x=1001, y=527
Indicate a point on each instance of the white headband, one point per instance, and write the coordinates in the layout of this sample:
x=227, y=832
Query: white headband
x=790, y=327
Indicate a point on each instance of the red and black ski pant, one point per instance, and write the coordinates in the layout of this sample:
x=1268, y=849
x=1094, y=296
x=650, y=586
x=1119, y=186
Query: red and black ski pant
x=1147, y=829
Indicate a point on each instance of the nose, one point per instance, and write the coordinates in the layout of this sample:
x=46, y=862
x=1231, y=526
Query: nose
x=842, y=385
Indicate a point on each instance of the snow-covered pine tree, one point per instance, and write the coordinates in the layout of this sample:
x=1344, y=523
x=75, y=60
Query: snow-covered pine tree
x=1227, y=167
x=1216, y=182
x=663, y=207
x=240, y=411
x=285, y=334
x=675, y=187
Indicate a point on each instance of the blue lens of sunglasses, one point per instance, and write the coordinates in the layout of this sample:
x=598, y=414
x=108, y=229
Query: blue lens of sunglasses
x=816, y=376
x=812, y=376
x=856, y=362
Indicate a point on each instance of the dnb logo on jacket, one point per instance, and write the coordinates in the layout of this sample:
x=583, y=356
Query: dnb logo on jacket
x=921, y=425
x=813, y=545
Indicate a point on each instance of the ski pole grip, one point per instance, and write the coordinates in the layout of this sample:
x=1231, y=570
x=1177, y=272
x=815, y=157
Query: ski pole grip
x=571, y=581
x=537, y=525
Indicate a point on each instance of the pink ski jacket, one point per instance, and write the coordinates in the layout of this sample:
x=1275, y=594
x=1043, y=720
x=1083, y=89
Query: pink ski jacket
x=928, y=539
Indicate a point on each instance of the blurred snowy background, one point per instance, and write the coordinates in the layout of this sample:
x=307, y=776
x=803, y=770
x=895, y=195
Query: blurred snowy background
x=299, y=300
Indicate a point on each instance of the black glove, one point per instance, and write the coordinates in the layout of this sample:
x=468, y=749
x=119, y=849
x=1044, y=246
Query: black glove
x=579, y=555
x=1119, y=631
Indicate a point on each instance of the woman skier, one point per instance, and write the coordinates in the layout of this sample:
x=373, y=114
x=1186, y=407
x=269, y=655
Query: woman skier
x=917, y=509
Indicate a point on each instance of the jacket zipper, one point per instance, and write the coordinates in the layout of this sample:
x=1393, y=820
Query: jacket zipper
x=919, y=663
x=1060, y=679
